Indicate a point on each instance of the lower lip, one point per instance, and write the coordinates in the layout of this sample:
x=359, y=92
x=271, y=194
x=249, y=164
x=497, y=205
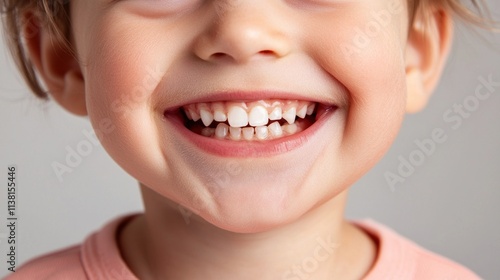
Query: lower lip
x=246, y=149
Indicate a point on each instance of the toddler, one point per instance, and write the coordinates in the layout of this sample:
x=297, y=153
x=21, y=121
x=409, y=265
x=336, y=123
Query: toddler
x=245, y=123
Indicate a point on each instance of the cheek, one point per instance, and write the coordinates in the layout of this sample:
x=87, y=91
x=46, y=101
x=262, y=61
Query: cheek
x=366, y=56
x=121, y=78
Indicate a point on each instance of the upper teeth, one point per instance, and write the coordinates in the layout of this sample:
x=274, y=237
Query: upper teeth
x=255, y=114
x=258, y=116
x=237, y=117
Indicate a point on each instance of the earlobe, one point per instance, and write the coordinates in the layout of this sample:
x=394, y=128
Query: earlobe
x=72, y=97
x=417, y=97
x=57, y=66
x=429, y=43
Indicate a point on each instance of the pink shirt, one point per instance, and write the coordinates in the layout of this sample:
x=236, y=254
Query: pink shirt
x=98, y=258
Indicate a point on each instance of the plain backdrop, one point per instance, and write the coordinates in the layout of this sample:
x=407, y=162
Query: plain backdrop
x=449, y=203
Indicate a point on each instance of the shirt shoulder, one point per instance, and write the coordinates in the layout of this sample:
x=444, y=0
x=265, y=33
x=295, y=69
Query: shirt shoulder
x=399, y=258
x=97, y=258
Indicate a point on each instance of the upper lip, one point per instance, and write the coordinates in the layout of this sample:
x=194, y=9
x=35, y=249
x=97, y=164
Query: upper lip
x=248, y=96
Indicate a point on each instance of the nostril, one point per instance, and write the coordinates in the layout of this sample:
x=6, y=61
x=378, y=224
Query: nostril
x=218, y=55
x=242, y=57
x=267, y=52
x=221, y=56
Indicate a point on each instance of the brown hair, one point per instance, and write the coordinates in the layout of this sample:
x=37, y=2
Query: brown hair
x=54, y=15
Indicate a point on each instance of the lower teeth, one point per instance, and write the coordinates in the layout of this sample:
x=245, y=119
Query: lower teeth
x=272, y=131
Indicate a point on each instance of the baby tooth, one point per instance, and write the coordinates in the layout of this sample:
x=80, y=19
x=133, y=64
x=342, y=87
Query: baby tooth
x=219, y=112
x=275, y=129
x=310, y=109
x=194, y=115
x=302, y=112
x=220, y=116
x=237, y=117
x=261, y=132
x=235, y=133
x=206, y=117
x=289, y=115
x=248, y=133
x=258, y=116
x=276, y=114
x=222, y=130
x=207, y=131
x=290, y=128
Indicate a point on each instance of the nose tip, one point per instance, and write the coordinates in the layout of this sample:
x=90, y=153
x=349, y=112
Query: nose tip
x=239, y=36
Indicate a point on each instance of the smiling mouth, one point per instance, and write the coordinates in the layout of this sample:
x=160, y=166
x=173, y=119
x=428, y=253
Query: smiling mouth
x=251, y=120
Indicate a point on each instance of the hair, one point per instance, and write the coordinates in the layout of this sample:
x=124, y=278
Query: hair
x=54, y=15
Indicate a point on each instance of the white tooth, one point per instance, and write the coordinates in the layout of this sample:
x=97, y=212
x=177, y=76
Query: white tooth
x=235, y=133
x=310, y=109
x=222, y=130
x=275, y=129
x=194, y=115
x=219, y=114
x=207, y=131
x=261, y=132
x=290, y=128
x=258, y=116
x=302, y=112
x=206, y=117
x=237, y=117
x=289, y=115
x=248, y=133
x=276, y=114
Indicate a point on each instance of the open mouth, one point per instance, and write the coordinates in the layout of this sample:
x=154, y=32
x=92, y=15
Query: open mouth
x=252, y=120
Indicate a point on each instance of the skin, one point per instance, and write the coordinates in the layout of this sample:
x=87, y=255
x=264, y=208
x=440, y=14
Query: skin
x=262, y=215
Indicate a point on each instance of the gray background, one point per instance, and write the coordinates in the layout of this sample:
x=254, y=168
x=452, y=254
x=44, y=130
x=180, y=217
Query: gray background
x=450, y=204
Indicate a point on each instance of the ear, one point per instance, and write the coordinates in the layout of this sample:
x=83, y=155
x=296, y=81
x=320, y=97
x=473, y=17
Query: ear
x=56, y=65
x=429, y=43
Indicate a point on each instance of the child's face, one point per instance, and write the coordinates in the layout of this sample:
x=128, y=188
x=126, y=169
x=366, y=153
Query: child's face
x=141, y=59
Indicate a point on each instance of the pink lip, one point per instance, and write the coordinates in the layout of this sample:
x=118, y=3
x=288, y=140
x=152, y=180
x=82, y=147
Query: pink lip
x=245, y=149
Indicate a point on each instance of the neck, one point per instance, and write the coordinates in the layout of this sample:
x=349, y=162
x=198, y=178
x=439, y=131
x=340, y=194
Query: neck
x=320, y=245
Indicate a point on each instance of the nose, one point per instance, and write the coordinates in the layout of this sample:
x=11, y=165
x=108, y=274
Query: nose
x=242, y=31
